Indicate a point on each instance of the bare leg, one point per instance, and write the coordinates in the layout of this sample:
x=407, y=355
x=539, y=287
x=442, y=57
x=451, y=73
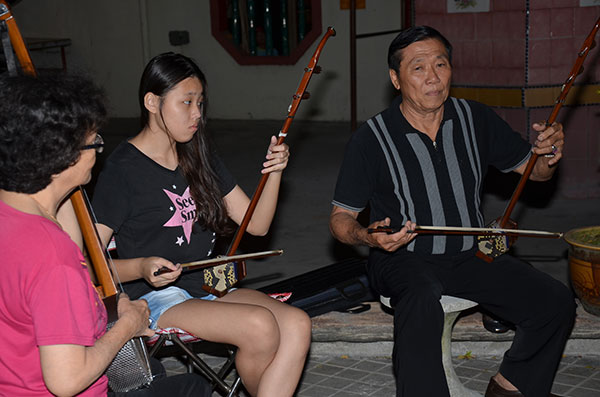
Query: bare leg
x=282, y=375
x=272, y=338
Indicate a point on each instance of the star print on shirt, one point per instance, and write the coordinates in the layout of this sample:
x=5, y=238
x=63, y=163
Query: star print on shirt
x=179, y=241
x=185, y=212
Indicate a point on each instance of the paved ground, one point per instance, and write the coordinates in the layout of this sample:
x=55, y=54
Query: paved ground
x=343, y=376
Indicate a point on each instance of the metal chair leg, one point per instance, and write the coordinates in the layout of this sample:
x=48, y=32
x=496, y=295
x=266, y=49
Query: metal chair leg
x=234, y=387
x=205, y=369
x=194, y=362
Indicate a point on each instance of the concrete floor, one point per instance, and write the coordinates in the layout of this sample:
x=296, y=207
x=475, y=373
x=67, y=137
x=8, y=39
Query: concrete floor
x=341, y=375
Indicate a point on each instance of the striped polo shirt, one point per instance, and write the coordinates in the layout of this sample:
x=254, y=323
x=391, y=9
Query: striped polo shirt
x=398, y=172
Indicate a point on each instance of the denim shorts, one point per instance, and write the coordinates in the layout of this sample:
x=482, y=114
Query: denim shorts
x=161, y=300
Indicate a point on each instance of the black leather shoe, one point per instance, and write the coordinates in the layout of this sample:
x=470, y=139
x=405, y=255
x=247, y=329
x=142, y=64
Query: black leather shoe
x=495, y=390
x=494, y=324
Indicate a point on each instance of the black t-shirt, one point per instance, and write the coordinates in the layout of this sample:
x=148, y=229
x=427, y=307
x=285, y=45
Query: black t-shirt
x=151, y=212
x=401, y=173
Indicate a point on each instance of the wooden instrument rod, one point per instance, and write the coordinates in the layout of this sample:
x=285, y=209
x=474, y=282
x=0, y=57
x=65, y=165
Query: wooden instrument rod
x=17, y=40
x=298, y=96
x=93, y=243
x=588, y=44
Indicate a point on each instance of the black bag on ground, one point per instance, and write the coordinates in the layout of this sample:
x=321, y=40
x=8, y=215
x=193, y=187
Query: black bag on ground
x=342, y=286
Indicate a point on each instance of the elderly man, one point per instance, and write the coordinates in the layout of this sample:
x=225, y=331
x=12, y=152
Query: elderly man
x=422, y=161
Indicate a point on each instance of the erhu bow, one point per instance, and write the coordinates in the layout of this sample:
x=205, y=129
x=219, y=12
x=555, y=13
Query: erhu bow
x=469, y=231
x=489, y=249
x=131, y=367
x=234, y=275
x=219, y=260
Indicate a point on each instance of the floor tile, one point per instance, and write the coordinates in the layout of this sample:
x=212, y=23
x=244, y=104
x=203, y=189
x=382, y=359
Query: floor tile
x=578, y=376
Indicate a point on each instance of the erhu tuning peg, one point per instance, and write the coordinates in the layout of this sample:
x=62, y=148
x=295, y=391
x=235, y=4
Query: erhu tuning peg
x=317, y=69
x=306, y=95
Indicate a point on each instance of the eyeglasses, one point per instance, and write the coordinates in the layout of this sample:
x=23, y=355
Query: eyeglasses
x=98, y=144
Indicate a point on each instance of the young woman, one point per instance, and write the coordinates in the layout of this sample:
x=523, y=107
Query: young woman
x=166, y=196
x=52, y=321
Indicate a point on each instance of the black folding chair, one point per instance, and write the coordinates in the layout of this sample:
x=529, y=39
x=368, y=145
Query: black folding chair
x=175, y=342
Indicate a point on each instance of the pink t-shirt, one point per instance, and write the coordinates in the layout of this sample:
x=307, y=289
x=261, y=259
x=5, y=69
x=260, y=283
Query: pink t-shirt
x=46, y=298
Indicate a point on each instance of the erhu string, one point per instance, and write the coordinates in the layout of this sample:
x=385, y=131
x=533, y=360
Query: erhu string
x=109, y=258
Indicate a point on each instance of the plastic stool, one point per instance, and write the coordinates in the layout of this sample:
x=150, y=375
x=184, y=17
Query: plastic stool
x=452, y=307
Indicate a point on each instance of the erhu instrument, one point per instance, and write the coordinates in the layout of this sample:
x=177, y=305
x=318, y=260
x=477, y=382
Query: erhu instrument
x=131, y=367
x=489, y=249
x=236, y=273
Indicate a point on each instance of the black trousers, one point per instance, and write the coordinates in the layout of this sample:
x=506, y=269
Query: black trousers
x=542, y=309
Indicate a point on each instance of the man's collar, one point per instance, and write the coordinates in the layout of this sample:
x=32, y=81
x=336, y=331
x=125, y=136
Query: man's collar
x=398, y=119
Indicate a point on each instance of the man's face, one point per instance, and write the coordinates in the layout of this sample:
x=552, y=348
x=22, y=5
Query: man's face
x=423, y=76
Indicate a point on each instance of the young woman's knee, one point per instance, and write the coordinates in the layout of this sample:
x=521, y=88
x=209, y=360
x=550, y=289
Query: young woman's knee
x=299, y=325
x=261, y=329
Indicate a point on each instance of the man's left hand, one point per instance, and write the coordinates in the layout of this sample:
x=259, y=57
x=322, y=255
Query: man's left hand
x=550, y=141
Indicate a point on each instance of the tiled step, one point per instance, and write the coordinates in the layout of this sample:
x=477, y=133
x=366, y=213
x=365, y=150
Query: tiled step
x=363, y=331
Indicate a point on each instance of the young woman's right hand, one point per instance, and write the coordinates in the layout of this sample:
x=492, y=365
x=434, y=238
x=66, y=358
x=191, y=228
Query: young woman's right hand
x=151, y=265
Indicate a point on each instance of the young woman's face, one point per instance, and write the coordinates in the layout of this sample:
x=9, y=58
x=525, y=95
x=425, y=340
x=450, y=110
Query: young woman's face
x=182, y=109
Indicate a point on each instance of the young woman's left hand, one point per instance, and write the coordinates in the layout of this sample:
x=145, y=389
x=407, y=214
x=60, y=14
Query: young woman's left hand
x=277, y=157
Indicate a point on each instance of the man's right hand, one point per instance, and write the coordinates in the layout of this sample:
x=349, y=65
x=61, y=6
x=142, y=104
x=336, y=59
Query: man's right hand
x=390, y=242
x=136, y=314
x=345, y=228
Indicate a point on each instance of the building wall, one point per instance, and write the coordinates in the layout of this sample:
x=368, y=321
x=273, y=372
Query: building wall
x=523, y=44
x=506, y=47
x=114, y=39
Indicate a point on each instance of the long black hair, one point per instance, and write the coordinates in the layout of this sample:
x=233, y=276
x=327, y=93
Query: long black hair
x=161, y=75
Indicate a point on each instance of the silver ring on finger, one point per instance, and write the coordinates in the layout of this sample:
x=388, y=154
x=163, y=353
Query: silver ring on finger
x=554, y=151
